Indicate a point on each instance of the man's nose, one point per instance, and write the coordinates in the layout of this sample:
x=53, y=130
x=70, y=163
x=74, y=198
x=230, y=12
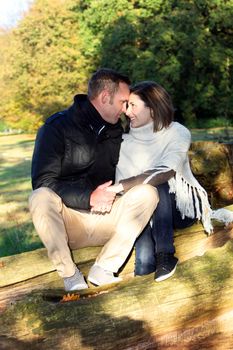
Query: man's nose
x=125, y=107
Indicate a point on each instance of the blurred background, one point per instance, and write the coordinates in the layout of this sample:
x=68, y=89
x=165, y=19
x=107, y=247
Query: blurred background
x=49, y=49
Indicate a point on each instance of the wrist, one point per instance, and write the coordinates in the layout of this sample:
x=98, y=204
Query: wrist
x=120, y=187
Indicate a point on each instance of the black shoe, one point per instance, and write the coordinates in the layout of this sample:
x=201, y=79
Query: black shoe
x=165, y=266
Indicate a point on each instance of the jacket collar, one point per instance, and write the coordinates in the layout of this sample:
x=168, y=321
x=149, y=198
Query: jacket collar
x=83, y=111
x=86, y=113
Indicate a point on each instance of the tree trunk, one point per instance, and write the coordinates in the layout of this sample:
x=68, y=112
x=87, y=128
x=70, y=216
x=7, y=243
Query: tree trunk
x=192, y=310
x=212, y=165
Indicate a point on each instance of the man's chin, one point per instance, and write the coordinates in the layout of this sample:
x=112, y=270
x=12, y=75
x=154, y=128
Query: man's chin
x=115, y=120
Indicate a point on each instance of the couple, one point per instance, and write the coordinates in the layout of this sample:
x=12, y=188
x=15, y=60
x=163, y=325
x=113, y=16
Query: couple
x=78, y=155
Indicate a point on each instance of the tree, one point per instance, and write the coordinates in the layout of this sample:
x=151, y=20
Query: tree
x=186, y=46
x=46, y=66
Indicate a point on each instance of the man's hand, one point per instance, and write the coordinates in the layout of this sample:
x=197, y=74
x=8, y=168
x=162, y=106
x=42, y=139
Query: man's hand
x=101, y=199
x=117, y=188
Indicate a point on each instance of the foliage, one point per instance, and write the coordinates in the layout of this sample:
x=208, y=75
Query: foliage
x=184, y=45
x=45, y=65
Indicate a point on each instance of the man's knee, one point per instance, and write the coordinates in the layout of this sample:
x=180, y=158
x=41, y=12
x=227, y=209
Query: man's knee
x=44, y=198
x=145, y=193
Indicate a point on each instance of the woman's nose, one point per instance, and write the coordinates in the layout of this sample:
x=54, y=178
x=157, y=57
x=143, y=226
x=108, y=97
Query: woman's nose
x=128, y=110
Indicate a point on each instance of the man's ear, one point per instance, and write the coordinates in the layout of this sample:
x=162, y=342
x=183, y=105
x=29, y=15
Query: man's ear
x=104, y=96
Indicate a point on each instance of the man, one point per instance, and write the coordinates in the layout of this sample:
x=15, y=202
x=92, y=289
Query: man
x=73, y=165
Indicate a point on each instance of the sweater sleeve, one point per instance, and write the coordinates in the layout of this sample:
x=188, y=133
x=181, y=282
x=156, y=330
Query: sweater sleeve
x=155, y=180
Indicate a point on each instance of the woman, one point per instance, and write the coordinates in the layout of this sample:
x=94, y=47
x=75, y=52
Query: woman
x=155, y=151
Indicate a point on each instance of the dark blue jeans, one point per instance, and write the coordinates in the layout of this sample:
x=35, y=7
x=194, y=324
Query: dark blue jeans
x=159, y=237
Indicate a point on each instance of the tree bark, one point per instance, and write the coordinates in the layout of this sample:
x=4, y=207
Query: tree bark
x=192, y=310
x=212, y=164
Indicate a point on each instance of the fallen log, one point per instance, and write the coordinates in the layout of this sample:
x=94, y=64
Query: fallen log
x=212, y=164
x=193, y=309
x=189, y=242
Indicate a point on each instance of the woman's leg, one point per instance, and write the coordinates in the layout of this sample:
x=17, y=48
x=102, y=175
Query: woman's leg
x=155, y=246
x=159, y=238
x=178, y=222
x=162, y=230
x=166, y=218
x=145, y=253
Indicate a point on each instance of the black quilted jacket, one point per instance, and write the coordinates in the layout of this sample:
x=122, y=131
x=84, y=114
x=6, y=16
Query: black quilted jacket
x=76, y=151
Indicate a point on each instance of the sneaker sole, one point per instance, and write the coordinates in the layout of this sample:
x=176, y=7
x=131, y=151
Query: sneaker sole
x=77, y=287
x=164, y=277
x=93, y=281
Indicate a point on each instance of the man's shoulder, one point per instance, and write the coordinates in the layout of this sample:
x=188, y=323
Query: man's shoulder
x=56, y=117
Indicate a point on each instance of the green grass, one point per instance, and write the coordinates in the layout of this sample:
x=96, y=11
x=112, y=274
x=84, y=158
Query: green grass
x=219, y=134
x=17, y=233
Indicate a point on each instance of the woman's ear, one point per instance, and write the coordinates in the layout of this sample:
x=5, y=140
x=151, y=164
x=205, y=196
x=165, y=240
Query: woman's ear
x=152, y=113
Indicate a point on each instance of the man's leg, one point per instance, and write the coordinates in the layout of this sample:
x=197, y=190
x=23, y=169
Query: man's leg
x=60, y=227
x=48, y=214
x=128, y=217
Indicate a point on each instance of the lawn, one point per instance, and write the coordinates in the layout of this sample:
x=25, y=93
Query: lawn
x=17, y=233
x=213, y=134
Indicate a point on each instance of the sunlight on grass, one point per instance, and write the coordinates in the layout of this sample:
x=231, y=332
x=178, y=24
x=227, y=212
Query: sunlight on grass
x=17, y=233
x=213, y=134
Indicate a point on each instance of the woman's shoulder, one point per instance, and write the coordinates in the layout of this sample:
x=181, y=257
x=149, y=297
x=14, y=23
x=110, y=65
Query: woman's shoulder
x=180, y=129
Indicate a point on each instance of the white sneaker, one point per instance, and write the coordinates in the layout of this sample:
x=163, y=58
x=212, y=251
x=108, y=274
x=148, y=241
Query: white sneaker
x=98, y=276
x=75, y=282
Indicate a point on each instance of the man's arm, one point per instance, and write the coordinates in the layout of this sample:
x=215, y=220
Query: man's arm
x=47, y=169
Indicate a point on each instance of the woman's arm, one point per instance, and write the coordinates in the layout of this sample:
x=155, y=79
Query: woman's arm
x=127, y=184
x=156, y=180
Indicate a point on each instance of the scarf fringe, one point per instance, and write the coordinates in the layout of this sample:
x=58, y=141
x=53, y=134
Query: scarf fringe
x=191, y=201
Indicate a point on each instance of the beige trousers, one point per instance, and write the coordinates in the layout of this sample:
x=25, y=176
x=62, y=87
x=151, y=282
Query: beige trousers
x=61, y=228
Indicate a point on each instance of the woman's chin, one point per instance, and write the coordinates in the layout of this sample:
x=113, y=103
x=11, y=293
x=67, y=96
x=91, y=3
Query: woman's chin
x=133, y=124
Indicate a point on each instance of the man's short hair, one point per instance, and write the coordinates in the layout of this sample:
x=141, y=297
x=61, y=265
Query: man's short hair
x=105, y=78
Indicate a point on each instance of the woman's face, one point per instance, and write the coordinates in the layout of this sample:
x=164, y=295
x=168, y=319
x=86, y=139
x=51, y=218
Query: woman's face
x=138, y=113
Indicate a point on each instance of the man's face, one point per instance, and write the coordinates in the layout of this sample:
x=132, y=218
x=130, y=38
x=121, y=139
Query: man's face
x=116, y=105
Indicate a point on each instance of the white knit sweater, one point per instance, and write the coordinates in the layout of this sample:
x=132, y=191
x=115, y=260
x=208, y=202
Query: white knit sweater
x=143, y=149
